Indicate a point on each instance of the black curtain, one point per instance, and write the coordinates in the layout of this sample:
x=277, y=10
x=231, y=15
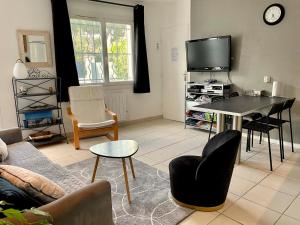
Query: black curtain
x=64, y=51
x=141, y=72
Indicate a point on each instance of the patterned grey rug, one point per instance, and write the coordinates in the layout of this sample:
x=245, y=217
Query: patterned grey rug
x=150, y=192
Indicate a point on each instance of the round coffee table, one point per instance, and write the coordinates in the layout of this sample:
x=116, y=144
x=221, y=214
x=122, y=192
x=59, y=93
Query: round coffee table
x=120, y=149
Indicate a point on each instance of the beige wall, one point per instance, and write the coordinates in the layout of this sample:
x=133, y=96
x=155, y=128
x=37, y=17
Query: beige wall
x=258, y=49
x=37, y=15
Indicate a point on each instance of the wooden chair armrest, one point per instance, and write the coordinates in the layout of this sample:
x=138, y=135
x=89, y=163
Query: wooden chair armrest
x=71, y=115
x=114, y=115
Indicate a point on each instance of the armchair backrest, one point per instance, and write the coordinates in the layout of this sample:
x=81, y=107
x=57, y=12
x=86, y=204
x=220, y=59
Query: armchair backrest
x=219, y=155
x=87, y=104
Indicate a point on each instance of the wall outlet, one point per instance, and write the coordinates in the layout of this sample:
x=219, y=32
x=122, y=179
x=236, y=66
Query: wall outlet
x=267, y=79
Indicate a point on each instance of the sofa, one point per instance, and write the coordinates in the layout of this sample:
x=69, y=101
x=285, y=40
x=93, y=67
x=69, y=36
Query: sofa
x=83, y=204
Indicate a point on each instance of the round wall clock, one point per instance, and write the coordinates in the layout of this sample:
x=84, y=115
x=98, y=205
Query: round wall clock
x=274, y=14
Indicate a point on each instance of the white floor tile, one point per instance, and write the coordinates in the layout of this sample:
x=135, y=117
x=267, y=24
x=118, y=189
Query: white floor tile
x=249, y=213
x=269, y=198
x=200, y=218
x=294, y=209
x=223, y=220
x=285, y=220
x=283, y=184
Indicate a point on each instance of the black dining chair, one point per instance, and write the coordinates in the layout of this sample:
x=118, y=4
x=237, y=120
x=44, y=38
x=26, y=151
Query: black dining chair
x=266, y=127
x=278, y=122
x=202, y=182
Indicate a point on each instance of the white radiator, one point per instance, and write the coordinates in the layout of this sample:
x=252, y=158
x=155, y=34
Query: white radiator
x=117, y=102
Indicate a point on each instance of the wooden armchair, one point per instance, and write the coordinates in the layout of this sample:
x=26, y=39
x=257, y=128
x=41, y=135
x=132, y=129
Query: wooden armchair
x=89, y=115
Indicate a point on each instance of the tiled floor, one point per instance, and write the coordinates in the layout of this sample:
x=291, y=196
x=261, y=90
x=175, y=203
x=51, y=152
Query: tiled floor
x=256, y=196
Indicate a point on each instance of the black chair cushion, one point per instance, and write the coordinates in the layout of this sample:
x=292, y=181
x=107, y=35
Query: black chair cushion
x=271, y=121
x=253, y=116
x=256, y=126
x=18, y=198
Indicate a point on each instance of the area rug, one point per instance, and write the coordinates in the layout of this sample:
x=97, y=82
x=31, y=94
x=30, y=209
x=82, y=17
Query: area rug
x=151, y=204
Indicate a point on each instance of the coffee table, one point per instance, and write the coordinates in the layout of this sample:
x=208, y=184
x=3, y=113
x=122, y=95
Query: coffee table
x=120, y=149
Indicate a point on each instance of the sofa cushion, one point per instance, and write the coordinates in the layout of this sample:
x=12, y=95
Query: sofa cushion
x=38, y=186
x=17, y=198
x=3, y=150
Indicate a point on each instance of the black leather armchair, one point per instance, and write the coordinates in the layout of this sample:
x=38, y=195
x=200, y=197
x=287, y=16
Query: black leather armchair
x=202, y=183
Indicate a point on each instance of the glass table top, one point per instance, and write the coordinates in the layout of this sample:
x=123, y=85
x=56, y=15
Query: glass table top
x=116, y=149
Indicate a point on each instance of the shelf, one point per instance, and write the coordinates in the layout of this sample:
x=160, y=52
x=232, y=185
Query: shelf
x=200, y=93
x=41, y=126
x=55, y=139
x=203, y=128
x=35, y=95
x=38, y=110
x=204, y=120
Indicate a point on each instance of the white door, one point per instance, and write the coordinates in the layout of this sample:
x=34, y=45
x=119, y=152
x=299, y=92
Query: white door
x=173, y=68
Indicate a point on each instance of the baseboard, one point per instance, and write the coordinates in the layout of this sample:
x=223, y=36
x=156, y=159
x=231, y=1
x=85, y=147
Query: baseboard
x=146, y=119
x=274, y=141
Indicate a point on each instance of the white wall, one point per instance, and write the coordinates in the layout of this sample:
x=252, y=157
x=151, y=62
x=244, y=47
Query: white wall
x=37, y=15
x=174, y=32
x=17, y=14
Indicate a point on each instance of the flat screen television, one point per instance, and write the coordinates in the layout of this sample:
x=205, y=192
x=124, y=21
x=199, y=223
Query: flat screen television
x=209, y=54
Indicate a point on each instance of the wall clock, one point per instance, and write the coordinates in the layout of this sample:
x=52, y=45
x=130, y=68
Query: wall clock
x=274, y=14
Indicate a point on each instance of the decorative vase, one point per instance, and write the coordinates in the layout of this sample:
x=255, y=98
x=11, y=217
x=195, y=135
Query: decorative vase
x=20, y=70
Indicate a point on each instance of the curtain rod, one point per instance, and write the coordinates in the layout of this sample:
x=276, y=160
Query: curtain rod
x=112, y=3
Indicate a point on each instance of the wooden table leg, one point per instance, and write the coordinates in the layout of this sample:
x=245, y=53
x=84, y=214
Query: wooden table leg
x=126, y=180
x=131, y=165
x=95, y=168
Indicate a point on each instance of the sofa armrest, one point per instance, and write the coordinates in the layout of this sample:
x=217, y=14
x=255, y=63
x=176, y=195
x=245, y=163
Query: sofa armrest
x=11, y=136
x=88, y=206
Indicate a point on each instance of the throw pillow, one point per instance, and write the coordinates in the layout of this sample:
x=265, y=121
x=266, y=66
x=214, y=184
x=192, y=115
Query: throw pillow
x=17, y=198
x=3, y=150
x=37, y=186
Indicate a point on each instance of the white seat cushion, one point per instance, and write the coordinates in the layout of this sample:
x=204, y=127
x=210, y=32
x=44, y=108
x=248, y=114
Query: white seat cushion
x=96, y=125
x=87, y=104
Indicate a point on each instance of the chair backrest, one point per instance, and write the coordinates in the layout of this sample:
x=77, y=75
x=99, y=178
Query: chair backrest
x=234, y=94
x=276, y=108
x=289, y=103
x=87, y=104
x=219, y=155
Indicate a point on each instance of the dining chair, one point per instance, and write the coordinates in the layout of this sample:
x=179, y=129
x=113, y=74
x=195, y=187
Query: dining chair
x=266, y=127
x=278, y=122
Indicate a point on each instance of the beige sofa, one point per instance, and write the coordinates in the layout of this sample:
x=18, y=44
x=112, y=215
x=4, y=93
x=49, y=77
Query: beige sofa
x=83, y=204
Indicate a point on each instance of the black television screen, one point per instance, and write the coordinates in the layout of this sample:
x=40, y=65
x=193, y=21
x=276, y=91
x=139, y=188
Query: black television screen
x=209, y=54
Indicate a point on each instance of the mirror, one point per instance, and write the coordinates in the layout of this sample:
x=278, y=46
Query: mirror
x=35, y=48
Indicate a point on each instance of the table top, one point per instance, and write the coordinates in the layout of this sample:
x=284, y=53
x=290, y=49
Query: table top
x=240, y=105
x=115, y=149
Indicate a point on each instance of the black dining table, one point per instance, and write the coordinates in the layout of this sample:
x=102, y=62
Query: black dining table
x=237, y=107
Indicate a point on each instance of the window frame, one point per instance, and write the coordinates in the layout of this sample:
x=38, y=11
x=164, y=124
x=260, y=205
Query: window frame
x=103, y=22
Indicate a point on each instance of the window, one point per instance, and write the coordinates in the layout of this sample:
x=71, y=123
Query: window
x=96, y=41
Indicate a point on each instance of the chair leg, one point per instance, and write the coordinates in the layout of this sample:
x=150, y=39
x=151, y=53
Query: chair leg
x=252, y=138
x=116, y=133
x=248, y=141
x=280, y=143
x=270, y=154
x=260, y=137
x=291, y=130
x=211, y=125
x=76, y=137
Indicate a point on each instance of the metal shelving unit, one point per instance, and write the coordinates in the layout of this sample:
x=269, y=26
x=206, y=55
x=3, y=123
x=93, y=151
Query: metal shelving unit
x=41, y=95
x=192, y=114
